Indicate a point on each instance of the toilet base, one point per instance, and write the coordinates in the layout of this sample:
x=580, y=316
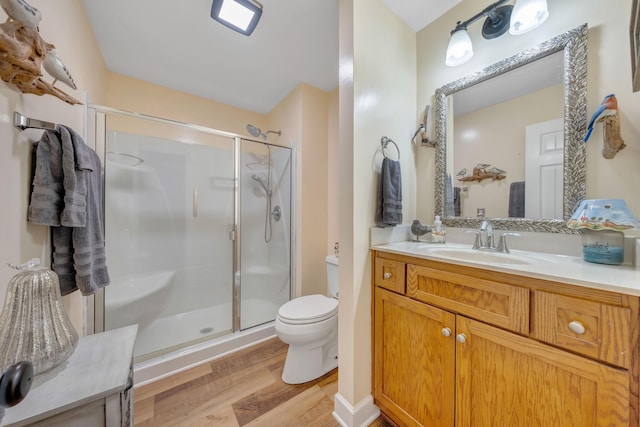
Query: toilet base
x=306, y=364
x=313, y=349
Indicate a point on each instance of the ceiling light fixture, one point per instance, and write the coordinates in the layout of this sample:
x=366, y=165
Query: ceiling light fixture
x=520, y=18
x=239, y=15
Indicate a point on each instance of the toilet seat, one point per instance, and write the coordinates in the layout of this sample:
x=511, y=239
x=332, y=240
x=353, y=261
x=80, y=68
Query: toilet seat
x=308, y=309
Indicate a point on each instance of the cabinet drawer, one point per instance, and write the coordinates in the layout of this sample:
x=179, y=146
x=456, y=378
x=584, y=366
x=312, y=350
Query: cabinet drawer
x=597, y=330
x=492, y=302
x=389, y=274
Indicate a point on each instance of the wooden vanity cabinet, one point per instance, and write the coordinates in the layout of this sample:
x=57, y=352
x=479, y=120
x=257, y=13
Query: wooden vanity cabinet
x=470, y=347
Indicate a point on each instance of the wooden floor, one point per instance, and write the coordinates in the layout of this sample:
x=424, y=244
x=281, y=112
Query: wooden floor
x=243, y=389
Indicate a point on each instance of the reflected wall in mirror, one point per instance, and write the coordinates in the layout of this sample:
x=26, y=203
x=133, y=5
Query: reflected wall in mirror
x=532, y=131
x=491, y=123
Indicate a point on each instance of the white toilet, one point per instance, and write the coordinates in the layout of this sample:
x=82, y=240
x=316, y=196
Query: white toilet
x=309, y=324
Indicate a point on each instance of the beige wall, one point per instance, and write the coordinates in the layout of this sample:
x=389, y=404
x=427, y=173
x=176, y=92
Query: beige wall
x=135, y=95
x=303, y=116
x=496, y=135
x=377, y=98
x=65, y=25
x=346, y=102
x=608, y=72
x=313, y=200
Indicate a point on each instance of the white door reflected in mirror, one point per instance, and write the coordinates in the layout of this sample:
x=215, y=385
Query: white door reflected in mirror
x=543, y=169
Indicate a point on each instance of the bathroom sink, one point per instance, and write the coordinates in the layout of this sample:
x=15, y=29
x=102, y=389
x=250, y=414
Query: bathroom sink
x=475, y=255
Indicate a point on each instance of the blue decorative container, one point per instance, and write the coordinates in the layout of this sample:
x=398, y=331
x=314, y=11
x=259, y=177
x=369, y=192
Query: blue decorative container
x=603, y=247
x=603, y=221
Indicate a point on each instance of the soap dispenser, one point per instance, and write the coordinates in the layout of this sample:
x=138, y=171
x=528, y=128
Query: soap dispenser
x=438, y=234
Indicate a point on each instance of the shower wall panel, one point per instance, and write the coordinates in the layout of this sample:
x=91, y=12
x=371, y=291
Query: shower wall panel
x=168, y=220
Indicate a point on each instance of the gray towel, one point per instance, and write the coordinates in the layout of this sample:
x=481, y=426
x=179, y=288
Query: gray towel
x=77, y=166
x=67, y=195
x=516, y=199
x=47, y=194
x=389, y=206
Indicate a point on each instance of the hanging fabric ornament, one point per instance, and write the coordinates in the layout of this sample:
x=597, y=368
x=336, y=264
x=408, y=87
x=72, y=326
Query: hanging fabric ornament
x=34, y=325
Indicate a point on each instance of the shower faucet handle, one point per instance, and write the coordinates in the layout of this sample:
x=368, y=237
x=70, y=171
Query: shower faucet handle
x=276, y=213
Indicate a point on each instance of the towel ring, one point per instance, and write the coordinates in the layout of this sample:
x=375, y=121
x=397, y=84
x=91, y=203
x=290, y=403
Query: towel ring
x=385, y=142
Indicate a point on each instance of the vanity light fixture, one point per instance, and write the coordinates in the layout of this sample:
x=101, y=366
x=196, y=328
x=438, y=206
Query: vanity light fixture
x=239, y=15
x=520, y=18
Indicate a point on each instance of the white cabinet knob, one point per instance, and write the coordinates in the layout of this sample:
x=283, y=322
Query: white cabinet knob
x=577, y=327
x=461, y=338
x=387, y=276
x=446, y=332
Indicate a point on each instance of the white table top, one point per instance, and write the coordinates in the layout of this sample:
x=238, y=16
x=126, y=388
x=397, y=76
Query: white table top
x=561, y=268
x=99, y=367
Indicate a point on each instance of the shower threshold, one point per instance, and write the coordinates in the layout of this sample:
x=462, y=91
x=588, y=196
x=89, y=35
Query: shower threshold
x=151, y=370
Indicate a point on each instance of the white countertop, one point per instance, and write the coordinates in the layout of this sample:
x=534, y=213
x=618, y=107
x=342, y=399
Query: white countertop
x=99, y=367
x=561, y=268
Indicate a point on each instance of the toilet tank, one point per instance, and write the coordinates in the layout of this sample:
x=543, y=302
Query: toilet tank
x=332, y=275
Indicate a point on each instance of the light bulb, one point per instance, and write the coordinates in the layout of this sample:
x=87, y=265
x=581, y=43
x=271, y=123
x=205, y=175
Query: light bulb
x=460, y=49
x=527, y=15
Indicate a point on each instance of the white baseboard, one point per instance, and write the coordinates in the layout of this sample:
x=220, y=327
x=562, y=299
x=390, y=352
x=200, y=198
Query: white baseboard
x=361, y=415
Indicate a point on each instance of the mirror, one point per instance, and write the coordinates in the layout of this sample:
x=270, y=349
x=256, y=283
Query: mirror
x=452, y=156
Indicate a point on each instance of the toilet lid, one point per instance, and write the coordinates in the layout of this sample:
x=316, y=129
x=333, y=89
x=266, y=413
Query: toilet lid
x=308, y=309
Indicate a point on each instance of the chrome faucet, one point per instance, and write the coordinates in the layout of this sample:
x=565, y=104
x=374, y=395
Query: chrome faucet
x=488, y=229
x=488, y=243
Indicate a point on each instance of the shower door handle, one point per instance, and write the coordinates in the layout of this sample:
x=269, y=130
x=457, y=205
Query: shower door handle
x=195, y=202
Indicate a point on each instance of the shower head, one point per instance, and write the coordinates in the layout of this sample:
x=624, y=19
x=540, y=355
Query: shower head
x=257, y=132
x=259, y=180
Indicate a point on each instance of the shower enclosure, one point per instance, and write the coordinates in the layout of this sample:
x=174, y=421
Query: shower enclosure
x=197, y=231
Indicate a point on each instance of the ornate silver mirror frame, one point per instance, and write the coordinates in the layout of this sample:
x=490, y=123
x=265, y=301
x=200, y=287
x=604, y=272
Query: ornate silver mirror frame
x=573, y=43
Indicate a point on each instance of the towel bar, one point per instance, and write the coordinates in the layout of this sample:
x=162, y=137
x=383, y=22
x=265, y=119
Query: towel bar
x=22, y=123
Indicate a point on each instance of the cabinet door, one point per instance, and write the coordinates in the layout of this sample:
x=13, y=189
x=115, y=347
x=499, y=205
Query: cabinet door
x=414, y=361
x=504, y=379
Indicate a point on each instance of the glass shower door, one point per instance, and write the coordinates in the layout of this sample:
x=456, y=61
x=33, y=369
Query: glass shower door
x=169, y=212
x=264, y=229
